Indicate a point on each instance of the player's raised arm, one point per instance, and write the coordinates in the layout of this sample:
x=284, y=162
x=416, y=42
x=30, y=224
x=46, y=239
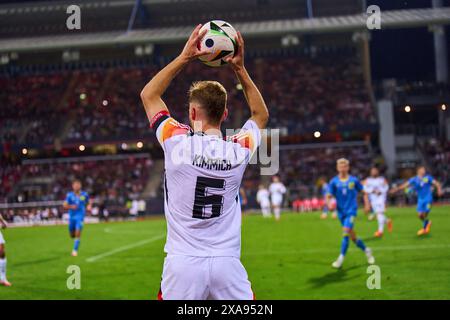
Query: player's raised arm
x=259, y=112
x=152, y=92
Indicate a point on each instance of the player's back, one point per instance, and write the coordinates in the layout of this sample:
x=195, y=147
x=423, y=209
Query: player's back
x=203, y=174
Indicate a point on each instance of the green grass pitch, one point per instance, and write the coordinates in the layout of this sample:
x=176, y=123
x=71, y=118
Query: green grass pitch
x=290, y=259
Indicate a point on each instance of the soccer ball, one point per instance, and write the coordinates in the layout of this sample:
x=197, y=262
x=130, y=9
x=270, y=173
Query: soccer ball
x=220, y=39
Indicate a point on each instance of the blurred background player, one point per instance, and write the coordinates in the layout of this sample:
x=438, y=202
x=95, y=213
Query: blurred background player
x=323, y=185
x=422, y=184
x=263, y=199
x=277, y=190
x=3, y=280
x=376, y=188
x=345, y=188
x=77, y=202
x=243, y=198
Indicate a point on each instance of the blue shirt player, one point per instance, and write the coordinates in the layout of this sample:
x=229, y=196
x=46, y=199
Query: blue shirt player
x=77, y=202
x=423, y=185
x=345, y=188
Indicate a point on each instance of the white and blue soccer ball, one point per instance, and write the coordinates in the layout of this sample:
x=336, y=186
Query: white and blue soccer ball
x=220, y=40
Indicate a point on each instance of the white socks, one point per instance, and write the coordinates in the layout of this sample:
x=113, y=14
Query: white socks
x=3, y=269
x=381, y=221
x=277, y=213
x=265, y=212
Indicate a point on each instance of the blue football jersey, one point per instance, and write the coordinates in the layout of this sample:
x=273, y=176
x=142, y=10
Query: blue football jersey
x=81, y=201
x=423, y=187
x=346, y=194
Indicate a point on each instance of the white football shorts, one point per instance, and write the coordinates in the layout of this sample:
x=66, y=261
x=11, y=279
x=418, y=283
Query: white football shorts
x=2, y=240
x=204, y=278
x=265, y=204
x=277, y=200
x=378, y=206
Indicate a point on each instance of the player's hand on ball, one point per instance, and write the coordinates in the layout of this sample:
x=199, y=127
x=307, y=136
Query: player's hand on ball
x=192, y=48
x=237, y=62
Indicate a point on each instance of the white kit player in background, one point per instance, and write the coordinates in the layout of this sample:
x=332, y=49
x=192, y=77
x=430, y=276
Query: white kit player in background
x=3, y=280
x=203, y=173
x=277, y=190
x=263, y=198
x=376, y=188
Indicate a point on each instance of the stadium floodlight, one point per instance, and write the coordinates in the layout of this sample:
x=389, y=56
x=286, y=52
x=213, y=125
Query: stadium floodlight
x=83, y=96
x=24, y=151
x=105, y=103
x=407, y=109
x=317, y=134
x=124, y=146
x=81, y=147
x=140, y=144
x=444, y=107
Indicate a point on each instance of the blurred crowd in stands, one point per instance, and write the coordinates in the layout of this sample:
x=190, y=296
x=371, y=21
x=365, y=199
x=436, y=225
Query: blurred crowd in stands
x=303, y=93
x=438, y=156
x=112, y=183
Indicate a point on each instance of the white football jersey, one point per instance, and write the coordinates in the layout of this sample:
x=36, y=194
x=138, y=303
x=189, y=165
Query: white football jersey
x=263, y=197
x=203, y=174
x=277, y=189
x=377, y=189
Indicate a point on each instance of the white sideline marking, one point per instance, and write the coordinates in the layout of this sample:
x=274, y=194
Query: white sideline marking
x=375, y=249
x=119, y=231
x=124, y=248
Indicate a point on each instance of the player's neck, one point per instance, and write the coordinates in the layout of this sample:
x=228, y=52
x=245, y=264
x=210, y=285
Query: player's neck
x=343, y=176
x=207, y=129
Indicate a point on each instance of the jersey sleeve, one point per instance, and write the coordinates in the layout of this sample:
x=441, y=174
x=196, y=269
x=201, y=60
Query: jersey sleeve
x=167, y=127
x=358, y=185
x=331, y=188
x=385, y=186
x=412, y=182
x=249, y=136
x=68, y=199
x=367, y=188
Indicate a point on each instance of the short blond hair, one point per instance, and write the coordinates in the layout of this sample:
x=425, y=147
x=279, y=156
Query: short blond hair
x=342, y=161
x=211, y=96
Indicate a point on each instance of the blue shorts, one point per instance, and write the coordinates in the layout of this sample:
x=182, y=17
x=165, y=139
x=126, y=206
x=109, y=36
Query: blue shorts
x=75, y=224
x=424, y=206
x=347, y=221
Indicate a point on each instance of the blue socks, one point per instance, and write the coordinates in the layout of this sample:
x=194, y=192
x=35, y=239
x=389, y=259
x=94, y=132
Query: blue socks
x=360, y=244
x=425, y=223
x=76, y=244
x=344, y=245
